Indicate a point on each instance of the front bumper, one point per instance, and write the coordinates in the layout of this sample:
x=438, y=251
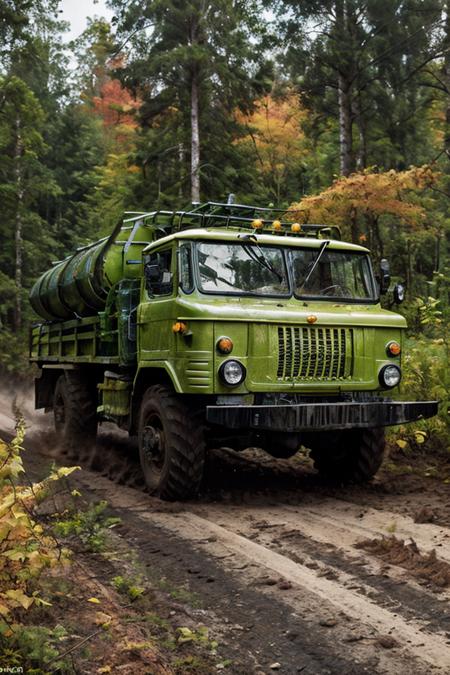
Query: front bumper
x=320, y=416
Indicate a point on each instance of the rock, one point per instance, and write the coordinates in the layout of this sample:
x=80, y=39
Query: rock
x=353, y=637
x=270, y=581
x=386, y=641
x=328, y=623
x=275, y=666
x=284, y=585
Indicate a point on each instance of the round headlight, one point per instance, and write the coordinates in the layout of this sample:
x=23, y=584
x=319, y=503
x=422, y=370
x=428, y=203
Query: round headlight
x=390, y=376
x=232, y=373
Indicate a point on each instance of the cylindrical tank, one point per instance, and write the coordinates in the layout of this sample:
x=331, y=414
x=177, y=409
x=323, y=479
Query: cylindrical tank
x=78, y=286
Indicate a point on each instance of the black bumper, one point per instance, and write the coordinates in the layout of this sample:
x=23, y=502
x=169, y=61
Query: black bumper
x=320, y=416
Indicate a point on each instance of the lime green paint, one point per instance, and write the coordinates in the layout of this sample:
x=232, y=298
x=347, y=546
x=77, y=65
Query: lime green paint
x=191, y=361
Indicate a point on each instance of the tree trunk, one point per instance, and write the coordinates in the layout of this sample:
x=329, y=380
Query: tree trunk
x=18, y=151
x=361, y=157
x=345, y=127
x=446, y=74
x=181, y=170
x=354, y=226
x=195, y=140
x=344, y=85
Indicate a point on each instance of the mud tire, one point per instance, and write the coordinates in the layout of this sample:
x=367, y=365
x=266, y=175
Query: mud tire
x=75, y=415
x=171, y=445
x=352, y=456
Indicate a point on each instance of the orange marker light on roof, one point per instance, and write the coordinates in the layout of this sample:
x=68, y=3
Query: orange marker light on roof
x=277, y=225
x=311, y=318
x=257, y=224
x=296, y=227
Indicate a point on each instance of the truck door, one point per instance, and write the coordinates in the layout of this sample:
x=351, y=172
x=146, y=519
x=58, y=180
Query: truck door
x=156, y=312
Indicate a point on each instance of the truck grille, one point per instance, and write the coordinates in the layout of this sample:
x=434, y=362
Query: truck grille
x=315, y=353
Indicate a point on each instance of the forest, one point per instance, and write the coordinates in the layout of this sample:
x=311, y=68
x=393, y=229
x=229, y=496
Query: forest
x=341, y=107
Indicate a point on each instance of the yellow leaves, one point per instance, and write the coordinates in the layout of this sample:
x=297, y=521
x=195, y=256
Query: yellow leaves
x=275, y=133
x=95, y=601
x=25, y=550
x=63, y=472
x=401, y=443
x=185, y=634
x=102, y=619
x=129, y=646
x=368, y=195
x=420, y=436
x=18, y=598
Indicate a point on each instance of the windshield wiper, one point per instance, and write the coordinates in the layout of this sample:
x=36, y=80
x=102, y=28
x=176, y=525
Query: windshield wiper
x=259, y=257
x=314, y=264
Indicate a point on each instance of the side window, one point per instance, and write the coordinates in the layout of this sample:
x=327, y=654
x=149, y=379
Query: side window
x=158, y=273
x=185, y=264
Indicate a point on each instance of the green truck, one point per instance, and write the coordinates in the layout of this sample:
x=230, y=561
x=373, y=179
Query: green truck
x=222, y=326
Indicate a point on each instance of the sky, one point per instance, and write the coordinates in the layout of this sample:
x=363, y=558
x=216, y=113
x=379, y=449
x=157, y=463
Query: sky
x=77, y=11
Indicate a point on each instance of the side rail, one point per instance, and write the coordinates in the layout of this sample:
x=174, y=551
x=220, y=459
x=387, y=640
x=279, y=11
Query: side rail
x=75, y=341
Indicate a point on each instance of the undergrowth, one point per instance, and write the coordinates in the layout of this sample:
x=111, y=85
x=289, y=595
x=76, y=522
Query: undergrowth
x=26, y=551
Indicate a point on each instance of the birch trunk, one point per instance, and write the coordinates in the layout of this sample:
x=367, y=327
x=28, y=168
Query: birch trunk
x=344, y=98
x=195, y=141
x=18, y=151
x=361, y=157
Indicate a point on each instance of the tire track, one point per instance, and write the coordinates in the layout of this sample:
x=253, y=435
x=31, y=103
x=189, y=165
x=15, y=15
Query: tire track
x=218, y=540
x=242, y=538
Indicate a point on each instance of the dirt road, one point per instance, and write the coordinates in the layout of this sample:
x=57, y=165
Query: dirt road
x=274, y=556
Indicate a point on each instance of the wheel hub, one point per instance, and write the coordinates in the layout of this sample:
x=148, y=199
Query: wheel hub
x=153, y=445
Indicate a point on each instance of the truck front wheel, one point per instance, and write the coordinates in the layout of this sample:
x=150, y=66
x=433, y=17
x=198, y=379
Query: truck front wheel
x=75, y=414
x=349, y=456
x=171, y=445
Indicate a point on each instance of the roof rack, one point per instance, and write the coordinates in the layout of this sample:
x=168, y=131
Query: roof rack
x=234, y=216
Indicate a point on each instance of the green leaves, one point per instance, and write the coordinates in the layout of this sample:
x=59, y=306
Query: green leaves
x=25, y=548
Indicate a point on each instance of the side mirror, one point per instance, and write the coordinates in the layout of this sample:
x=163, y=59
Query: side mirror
x=399, y=293
x=385, y=276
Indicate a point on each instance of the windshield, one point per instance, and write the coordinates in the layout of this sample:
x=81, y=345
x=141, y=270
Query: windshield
x=242, y=269
x=337, y=274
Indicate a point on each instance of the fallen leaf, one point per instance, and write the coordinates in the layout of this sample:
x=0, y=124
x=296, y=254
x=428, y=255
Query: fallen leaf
x=102, y=619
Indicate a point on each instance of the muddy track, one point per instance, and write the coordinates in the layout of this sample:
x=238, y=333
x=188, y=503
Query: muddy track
x=272, y=554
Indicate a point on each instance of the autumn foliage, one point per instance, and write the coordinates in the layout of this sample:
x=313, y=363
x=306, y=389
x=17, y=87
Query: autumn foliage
x=357, y=202
x=26, y=550
x=115, y=105
x=274, y=132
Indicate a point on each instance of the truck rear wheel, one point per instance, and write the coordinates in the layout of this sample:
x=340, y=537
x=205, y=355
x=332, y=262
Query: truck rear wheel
x=171, y=445
x=75, y=414
x=349, y=456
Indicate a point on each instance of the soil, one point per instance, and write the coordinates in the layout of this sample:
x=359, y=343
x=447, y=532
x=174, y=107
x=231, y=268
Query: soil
x=288, y=573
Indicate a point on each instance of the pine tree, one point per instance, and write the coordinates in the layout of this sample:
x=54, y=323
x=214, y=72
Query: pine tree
x=357, y=63
x=199, y=58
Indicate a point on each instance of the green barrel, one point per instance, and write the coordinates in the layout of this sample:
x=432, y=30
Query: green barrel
x=78, y=286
